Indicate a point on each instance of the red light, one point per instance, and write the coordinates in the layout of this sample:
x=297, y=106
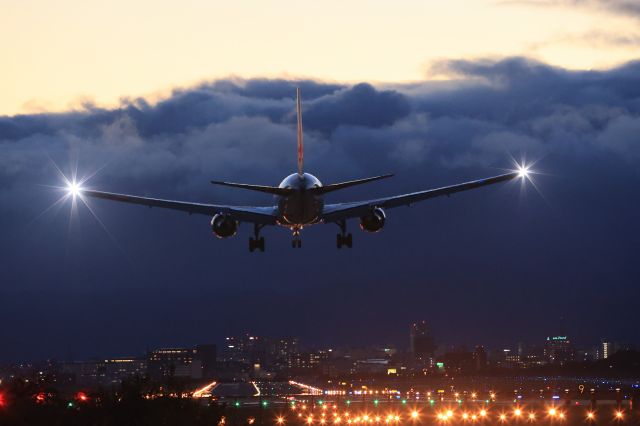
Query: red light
x=81, y=396
x=2, y=401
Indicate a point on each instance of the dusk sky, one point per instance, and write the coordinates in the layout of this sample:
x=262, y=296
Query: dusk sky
x=158, y=98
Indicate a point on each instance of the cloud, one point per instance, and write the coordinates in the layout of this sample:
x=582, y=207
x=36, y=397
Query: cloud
x=583, y=126
x=624, y=7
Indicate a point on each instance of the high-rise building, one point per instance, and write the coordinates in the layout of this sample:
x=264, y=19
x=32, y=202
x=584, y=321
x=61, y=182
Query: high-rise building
x=480, y=358
x=421, y=342
x=246, y=349
x=207, y=354
x=559, y=350
x=607, y=349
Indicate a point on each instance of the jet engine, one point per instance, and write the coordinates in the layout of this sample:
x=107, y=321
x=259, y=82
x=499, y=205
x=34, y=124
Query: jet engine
x=223, y=226
x=374, y=221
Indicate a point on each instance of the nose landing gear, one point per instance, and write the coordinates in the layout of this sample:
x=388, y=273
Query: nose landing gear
x=296, y=242
x=343, y=239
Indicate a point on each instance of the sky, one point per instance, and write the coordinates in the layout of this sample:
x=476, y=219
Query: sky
x=158, y=99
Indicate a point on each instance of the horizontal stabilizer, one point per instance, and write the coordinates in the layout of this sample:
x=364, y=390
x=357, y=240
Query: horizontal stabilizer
x=342, y=185
x=260, y=188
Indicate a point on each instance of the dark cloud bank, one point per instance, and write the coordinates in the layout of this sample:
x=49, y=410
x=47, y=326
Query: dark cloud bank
x=494, y=266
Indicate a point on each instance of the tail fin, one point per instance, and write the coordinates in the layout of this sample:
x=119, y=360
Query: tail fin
x=300, y=142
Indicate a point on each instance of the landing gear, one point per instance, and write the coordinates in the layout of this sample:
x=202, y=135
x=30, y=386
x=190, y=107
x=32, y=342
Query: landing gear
x=296, y=242
x=343, y=239
x=256, y=242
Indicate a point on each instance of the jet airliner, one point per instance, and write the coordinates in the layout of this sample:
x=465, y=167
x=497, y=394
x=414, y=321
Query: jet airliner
x=299, y=202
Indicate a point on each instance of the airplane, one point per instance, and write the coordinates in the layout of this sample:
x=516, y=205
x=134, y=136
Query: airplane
x=299, y=202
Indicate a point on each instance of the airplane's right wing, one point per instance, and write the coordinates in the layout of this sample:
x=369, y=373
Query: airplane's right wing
x=260, y=215
x=336, y=212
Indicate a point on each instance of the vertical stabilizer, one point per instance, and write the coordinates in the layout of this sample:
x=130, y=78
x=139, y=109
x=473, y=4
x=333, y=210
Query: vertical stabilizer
x=300, y=142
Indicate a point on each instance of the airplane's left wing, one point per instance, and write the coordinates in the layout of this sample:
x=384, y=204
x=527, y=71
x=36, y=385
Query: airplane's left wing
x=260, y=215
x=336, y=212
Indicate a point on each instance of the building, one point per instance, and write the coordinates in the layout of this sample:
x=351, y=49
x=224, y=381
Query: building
x=174, y=362
x=207, y=354
x=606, y=349
x=480, y=358
x=246, y=349
x=559, y=350
x=280, y=350
x=421, y=343
x=103, y=372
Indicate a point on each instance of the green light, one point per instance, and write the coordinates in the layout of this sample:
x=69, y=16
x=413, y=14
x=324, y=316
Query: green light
x=265, y=403
x=293, y=403
x=319, y=402
x=375, y=401
x=404, y=401
x=70, y=404
x=431, y=401
x=237, y=403
x=348, y=402
x=459, y=401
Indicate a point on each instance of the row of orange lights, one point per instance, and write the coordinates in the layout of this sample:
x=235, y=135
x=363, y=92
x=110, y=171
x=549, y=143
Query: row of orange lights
x=443, y=416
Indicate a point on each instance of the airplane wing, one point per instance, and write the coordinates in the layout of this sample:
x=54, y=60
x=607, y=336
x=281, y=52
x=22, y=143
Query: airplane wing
x=335, y=212
x=260, y=215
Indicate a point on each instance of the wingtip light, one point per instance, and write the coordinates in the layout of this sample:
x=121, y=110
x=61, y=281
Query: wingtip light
x=74, y=189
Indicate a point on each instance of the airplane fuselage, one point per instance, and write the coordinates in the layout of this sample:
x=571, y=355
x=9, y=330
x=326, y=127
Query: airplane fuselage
x=303, y=207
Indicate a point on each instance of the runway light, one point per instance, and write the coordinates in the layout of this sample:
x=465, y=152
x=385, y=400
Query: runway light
x=280, y=420
x=552, y=412
x=449, y=414
x=561, y=415
x=483, y=413
x=591, y=415
x=465, y=416
x=619, y=414
x=517, y=412
x=503, y=417
x=532, y=416
x=414, y=414
x=474, y=417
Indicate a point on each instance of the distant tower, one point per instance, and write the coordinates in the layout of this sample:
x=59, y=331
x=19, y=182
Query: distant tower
x=480, y=358
x=607, y=349
x=422, y=344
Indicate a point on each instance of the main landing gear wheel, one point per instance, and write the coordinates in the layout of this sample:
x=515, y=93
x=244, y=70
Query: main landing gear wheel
x=256, y=242
x=343, y=239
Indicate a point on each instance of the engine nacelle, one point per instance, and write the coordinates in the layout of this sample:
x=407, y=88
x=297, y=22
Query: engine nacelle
x=223, y=226
x=374, y=221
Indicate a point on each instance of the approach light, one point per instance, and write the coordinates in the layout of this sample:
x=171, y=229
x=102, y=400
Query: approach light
x=280, y=420
x=591, y=415
x=619, y=414
x=414, y=415
x=532, y=416
x=517, y=412
x=552, y=412
x=503, y=417
x=483, y=413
